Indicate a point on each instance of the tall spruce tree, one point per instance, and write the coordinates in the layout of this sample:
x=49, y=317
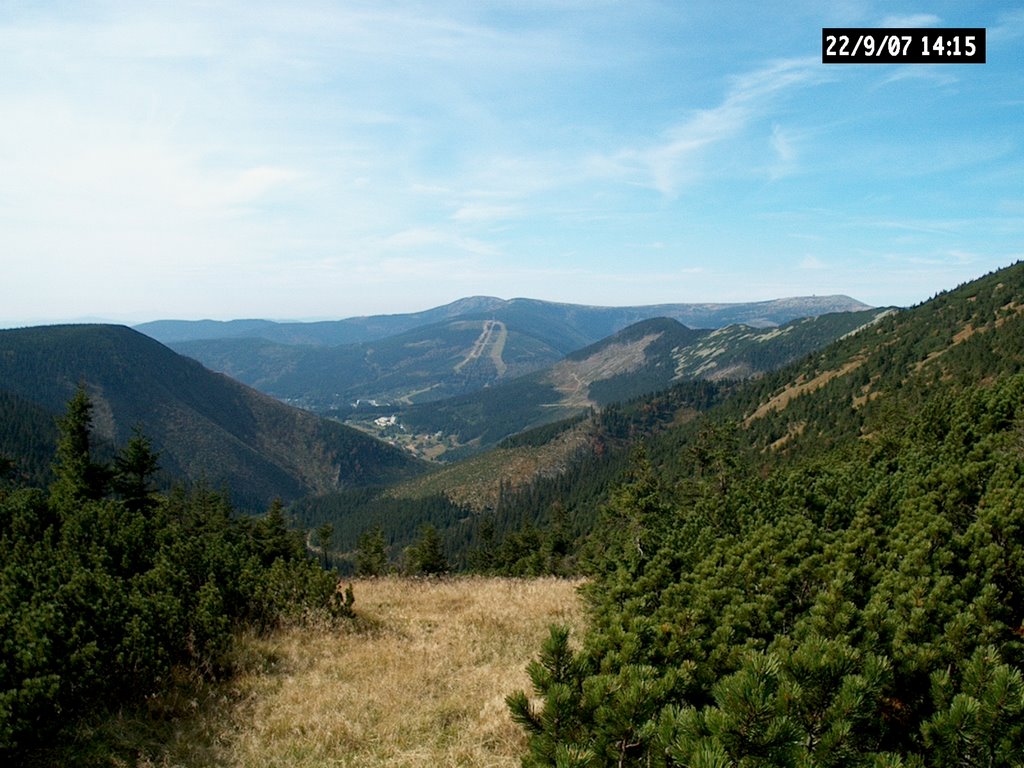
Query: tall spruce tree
x=324, y=535
x=134, y=470
x=426, y=557
x=77, y=477
x=371, y=554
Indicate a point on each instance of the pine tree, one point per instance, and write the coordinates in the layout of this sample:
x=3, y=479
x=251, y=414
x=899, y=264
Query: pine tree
x=134, y=469
x=631, y=527
x=482, y=558
x=426, y=557
x=981, y=725
x=371, y=554
x=324, y=535
x=273, y=537
x=554, y=730
x=748, y=721
x=77, y=477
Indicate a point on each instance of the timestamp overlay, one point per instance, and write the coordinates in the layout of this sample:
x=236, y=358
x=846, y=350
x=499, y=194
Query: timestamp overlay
x=898, y=45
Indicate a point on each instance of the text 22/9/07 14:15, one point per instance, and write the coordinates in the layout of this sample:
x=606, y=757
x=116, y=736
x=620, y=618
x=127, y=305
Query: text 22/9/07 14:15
x=879, y=45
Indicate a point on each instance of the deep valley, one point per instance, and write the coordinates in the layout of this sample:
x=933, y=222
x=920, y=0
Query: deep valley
x=817, y=520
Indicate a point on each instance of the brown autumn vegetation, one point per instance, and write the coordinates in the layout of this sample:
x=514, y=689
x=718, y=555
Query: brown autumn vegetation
x=419, y=679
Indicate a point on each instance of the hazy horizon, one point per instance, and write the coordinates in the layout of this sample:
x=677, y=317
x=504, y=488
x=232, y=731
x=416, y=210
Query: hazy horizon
x=130, y=321
x=323, y=160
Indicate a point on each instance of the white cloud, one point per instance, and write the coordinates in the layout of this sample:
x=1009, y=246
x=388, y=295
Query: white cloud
x=238, y=188
x=682, y=157
x=929, y=76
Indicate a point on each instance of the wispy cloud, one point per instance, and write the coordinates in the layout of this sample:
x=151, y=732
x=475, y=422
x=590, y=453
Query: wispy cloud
x=1009, y=27
x=784, y=151
x=682, y=156
x=930, y=76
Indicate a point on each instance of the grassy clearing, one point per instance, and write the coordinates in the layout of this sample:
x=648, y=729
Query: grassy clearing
x=421, y=681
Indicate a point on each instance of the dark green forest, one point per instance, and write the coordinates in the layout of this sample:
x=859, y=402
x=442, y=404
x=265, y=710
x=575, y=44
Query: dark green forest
x=850, y=595
x=110, y=591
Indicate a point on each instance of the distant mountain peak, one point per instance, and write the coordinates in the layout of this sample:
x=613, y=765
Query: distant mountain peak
x=601, y=321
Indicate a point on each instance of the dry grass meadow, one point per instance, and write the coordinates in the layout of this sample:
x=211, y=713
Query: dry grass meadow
x=421, y=681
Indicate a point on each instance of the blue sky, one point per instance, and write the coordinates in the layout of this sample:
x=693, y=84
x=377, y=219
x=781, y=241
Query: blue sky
x=312, y=159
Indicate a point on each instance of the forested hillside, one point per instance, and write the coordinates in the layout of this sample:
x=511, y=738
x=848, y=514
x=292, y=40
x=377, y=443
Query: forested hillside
x=204, y=425
x=824, y=570
x=496, y=511
x=28, y=432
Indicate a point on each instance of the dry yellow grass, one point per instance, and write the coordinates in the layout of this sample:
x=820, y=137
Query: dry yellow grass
x=800, y=387
x=421, y=683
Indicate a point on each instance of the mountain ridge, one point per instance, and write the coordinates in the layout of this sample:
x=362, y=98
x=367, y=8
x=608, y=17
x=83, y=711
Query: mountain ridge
x=643, y=358
x=372, y=327
x=204, y=424
x=480, y=342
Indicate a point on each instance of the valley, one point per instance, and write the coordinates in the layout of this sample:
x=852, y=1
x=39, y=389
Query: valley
x=456, y=380
x=642, y=358
x=826, y=511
